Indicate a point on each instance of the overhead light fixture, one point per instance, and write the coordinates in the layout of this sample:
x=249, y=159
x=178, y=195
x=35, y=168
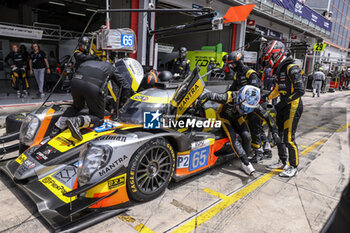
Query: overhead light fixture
x=57, y=3
x=92, y=10
x=76, y=13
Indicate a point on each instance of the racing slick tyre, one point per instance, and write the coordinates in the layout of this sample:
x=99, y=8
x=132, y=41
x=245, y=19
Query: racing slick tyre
x=13, y=122
x=150, y=170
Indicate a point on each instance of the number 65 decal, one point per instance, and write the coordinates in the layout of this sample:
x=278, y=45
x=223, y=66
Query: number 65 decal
x=127, y=40
x=199, y=158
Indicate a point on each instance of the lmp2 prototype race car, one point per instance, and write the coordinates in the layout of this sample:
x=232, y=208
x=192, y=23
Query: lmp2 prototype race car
x=119, y=163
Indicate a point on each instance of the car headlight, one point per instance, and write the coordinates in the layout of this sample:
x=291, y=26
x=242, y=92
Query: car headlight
x=91, y=159
x=28, y=129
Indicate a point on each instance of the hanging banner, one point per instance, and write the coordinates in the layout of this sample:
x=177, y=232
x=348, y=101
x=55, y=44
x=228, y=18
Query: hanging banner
x=19, y=32
x=305, y=12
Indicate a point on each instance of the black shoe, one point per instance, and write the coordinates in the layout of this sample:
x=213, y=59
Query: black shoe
x=257, y=158
x=313, y=95
x=267, y=154
x=73, y=125
x=55, y=131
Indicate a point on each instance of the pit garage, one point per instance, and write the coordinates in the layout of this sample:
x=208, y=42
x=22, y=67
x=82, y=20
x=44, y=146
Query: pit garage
x=141, y=170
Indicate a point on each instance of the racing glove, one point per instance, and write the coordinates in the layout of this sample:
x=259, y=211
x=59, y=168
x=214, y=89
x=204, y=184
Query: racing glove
x=280, y=105
x=220, y=98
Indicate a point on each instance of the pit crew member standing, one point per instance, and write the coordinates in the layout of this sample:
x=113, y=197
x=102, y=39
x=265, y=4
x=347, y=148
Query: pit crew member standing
x=234, y=105
x=87, y=87
x=82, y=53
x=290, y=88
x=37, y=64
x=17, y=61
x=319, y=77
x=181, y=65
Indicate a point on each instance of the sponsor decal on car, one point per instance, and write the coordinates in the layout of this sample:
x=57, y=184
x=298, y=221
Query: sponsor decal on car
x=57, y=188
x=29, y=164
x=116, y=182
x=183, y=161
x=113, y=137
x=199, y=158
x=113, y=165
x=107, y=125
x=107, y=186
x=40, y=156
x=21, y=159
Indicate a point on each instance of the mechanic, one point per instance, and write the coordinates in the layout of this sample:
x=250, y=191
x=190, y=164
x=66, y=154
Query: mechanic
x=246, y=76
x=234, y=105
x=290, y=88
x=149, y=80
x=88, y=85
x=181, y=65
x=17, y=61
x=228, y=71
x=319, y=77
x=212, y=65
x=83, y=54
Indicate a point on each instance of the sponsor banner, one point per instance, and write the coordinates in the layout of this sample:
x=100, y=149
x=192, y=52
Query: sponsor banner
x=305, y=12
x=250, y=57
x=268, y=32
x=27, y=33
x=165, y=48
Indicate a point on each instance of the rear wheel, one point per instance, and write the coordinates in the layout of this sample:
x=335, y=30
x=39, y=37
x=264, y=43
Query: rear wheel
x=150, y=170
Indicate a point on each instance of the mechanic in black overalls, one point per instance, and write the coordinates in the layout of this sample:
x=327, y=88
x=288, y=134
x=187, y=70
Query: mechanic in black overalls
x=82, y=54
x=234, y=105
x=290, y=88
x=181, y=65
x=87, y=87
x=247, y=76
x=17, y=61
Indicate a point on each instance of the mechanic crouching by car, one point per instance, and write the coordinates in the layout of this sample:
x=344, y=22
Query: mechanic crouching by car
x=234, y=105
x=290, y=88
x=82, y=54
x=88, y=86
x=181, y=65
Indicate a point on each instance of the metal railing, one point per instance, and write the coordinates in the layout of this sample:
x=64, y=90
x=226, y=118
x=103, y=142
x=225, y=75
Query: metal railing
x=50, y=31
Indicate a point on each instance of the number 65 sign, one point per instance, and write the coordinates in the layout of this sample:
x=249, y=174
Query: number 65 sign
x=123, y=40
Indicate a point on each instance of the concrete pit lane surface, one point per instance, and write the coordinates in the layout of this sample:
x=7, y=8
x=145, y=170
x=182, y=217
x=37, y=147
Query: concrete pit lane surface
x=224, y=199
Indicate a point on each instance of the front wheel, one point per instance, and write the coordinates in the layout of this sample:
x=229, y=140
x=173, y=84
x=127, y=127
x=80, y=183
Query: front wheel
x=150, y=170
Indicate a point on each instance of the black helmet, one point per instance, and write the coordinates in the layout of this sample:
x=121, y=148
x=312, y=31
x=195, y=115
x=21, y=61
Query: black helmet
x=273, y=53
x=182, y=52
x=165, y=76
x=235, y=60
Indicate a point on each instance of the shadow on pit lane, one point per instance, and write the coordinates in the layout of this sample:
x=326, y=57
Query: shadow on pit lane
x=25, y=201
x=229, y=167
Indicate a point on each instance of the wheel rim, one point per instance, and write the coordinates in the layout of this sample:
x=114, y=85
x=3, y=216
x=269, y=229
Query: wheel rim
x=153, y=170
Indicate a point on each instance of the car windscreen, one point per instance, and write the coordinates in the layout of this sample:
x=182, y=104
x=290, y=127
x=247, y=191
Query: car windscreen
x=132, y=111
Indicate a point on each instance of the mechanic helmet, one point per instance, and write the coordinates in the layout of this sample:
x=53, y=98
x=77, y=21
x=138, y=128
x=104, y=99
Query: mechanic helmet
x=182, y=52
x=165, y=76
x=84, y=42
x=248, y=99
x=212, y=60
x=320, y=69
x=273, y=53
x=235, y=58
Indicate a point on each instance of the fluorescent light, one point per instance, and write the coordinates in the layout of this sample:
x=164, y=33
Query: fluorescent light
x=92, y=10
x=57, y=3
x=76, y=13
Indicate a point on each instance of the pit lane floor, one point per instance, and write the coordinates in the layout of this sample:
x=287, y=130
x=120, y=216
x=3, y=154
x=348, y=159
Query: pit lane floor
x=224, y=199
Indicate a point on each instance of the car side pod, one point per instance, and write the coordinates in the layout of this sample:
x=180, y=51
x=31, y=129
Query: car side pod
x=93, y=218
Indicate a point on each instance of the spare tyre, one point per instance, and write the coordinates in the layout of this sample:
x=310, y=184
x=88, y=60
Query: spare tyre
x=13, y=122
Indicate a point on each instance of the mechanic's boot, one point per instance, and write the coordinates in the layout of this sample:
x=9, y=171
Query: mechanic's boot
x=18, y=94
x=25, y=92
x=258, y=156
x=73, y=124
x=248, y=169
x=290, y=172
x=278, y=165
x=267, y=154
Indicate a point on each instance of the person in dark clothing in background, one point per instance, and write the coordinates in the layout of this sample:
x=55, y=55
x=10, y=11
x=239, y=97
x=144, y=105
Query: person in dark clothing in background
x=83, y=54
x=181, y=65
x=87, y=86
x=17, y=61
x=37, y=65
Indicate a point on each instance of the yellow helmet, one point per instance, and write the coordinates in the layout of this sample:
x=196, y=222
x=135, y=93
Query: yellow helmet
x=320, y=69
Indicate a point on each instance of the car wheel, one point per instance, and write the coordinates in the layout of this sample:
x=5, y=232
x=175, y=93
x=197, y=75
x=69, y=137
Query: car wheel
x=14, y=122
x=150, y=170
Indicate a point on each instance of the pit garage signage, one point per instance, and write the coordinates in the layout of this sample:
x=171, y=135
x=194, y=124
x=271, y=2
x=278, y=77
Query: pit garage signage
x=319, y=47
x=20, y=32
